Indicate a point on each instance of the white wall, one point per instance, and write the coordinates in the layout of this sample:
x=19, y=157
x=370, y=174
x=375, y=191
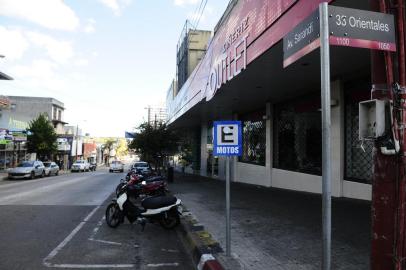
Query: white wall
x=296, y=181
x=356, y=190
x=272, y=177
x=252, y=174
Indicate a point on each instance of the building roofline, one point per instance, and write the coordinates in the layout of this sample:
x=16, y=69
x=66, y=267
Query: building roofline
x=4, y=76
x=51, y=99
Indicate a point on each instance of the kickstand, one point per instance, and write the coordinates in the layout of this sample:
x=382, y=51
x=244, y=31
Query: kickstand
x=142, y=223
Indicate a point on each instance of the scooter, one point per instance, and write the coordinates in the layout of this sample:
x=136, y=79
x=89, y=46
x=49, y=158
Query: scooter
x=162, y=209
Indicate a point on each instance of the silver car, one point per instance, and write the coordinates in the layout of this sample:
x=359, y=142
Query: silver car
x=27, y=169
x=142, y=167
x=116, y=166
x=51, y=168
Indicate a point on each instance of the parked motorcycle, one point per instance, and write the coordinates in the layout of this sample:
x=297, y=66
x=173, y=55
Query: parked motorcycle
x=155, y=185
x=162, y=209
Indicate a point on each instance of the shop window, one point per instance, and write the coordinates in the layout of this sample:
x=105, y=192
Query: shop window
x=253, y=138
x=297, y=136
x=358, y=161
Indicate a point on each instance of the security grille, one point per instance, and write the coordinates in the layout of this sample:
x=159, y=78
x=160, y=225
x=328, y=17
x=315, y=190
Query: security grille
x=254, y=140
x=358, y=161
x=297, y=139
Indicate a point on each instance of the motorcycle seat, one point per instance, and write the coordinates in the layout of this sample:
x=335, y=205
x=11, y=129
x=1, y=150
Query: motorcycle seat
x=154, y=178
x=158, y=202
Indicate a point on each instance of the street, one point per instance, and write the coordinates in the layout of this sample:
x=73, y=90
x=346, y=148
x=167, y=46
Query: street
x=58, y=222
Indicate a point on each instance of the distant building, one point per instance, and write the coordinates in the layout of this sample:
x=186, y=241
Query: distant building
x=22, y=110
x=156, y=115
x=16, y=113
x=192, y=46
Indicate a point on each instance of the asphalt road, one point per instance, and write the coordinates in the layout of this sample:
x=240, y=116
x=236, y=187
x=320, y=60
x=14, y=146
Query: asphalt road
x=57, y=222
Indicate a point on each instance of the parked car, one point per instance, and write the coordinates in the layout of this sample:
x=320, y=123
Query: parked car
x=51, y=168
x=142, y=167
x=80, y=165
x=116, y=166
x=27, y=169
x=93, y=166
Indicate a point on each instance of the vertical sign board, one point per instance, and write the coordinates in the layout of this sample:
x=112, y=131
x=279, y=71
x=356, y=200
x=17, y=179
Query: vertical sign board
x=348, y=27
x=227, y=141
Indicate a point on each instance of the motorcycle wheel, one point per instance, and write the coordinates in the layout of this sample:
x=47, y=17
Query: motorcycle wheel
x=170, y=220
x=113, y=215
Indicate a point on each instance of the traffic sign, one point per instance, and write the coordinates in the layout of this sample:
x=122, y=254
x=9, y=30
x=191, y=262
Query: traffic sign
x=227, y=139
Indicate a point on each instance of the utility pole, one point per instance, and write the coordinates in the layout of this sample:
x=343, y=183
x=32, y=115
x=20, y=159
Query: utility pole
x=388, y=246
x=149, y=114
x=77, y=140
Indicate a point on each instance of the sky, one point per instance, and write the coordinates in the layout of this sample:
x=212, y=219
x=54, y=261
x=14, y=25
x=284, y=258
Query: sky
x=106, y=60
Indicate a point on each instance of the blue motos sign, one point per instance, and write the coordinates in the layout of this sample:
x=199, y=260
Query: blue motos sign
x=227, y=138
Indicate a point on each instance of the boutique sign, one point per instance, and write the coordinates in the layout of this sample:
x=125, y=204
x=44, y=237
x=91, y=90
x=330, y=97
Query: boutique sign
x=231, y=62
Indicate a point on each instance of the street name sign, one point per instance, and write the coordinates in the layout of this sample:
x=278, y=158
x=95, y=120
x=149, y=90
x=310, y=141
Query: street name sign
x=227, y=138
x=303, y=39
x=347, y=27
x=363, y=29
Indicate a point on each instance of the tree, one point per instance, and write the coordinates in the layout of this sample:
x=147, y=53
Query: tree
x=154, y=144
x=42, y=137
x=109, y=145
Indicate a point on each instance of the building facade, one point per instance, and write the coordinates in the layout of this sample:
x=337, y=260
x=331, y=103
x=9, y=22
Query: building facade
x=16, y=113
x=242, y=77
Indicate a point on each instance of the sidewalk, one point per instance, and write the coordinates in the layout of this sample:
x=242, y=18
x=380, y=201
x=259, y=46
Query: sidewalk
x=278, y=229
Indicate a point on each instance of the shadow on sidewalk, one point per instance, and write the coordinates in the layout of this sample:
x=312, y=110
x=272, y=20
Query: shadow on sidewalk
x=278, y=229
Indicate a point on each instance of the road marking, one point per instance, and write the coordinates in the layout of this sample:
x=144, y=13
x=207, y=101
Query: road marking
x=55, y=251
x=96, y=229
x=66, y=265
x=61, y=245
x=105, y=242
x=155, y=265
x=170, y=250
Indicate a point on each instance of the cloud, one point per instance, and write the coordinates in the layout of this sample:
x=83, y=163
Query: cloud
x=13, y=43
x=40, y=69
x=116, y=5
x=185, y=2
x=81, y=62
x=41, y=74
x=89, y=28
x=52, y=14
x=59, y=51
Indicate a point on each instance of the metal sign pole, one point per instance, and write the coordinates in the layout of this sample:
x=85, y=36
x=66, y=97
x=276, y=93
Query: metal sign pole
x=326, y=134
x=228, y=225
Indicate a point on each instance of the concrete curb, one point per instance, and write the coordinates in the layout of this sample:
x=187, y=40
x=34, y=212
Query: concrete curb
x=204, y=249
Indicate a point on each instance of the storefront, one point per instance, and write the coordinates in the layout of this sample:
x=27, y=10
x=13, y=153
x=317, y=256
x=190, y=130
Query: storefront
x=242, y=77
